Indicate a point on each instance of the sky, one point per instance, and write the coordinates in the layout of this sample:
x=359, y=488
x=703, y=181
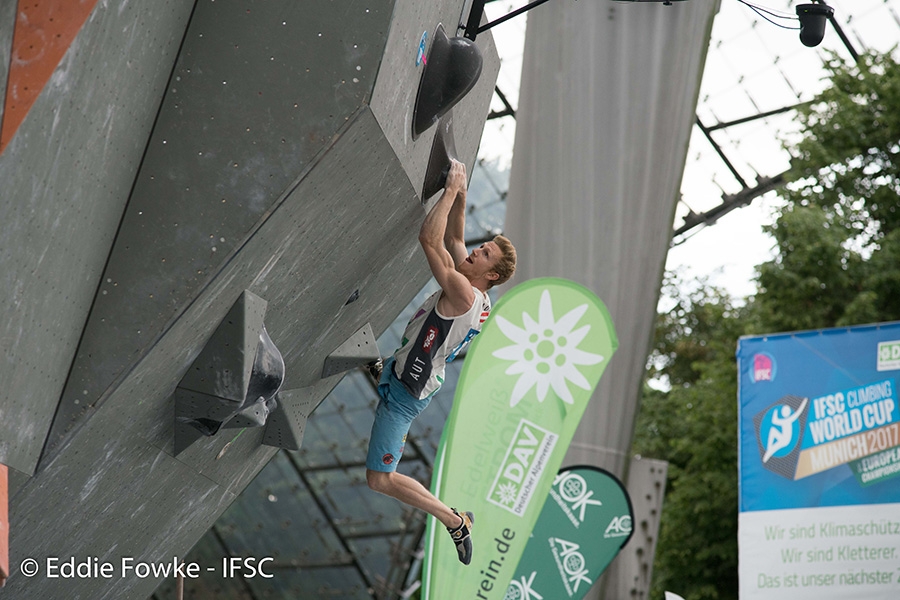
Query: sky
x=752, y=66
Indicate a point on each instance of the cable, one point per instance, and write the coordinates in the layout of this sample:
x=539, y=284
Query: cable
x=779, y=15
x=760, y=10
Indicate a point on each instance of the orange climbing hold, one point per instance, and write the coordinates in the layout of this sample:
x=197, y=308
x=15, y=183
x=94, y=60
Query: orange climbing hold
x=4, y=525
x=44, y=31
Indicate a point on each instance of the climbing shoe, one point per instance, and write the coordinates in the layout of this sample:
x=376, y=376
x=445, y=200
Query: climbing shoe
x=462, y=536
x=374, y=368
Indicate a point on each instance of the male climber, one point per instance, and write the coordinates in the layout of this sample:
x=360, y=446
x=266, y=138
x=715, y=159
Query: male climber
x=441, y=327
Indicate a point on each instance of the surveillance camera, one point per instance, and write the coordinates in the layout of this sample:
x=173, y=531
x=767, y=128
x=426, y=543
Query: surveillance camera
x=812, y=22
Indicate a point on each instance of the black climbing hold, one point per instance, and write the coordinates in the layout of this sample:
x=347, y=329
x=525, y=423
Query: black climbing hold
x=442, y=150
x=451, y=71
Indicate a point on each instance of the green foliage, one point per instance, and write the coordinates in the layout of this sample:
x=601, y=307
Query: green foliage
x=837, y=263
x=848, y=161
x=692, y=425
x=881, y=286
x=813, y=277
x=837, y=239
x=688, y=334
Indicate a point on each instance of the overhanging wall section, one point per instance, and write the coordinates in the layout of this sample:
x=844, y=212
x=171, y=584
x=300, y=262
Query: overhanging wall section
x=258, y=91
x=393, y=99
x=119, y=464
x=335, y=221
x=67, y=175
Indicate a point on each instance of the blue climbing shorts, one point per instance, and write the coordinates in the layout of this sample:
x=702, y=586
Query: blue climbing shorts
x=395, y=413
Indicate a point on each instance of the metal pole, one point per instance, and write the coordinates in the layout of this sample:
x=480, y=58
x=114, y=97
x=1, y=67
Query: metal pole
x=472, y=25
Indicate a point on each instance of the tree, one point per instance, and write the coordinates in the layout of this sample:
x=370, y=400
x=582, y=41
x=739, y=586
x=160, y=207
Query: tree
x=837, y=263
x=847, y=161
x=814, y=275
x=839, y=236
x=692, y=426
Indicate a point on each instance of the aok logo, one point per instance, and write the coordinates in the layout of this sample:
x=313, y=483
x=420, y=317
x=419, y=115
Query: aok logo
x=618, y=527
x=571, y=564
x=522, y=467
x=573, y=496
x=522, y=589
x=430, y=336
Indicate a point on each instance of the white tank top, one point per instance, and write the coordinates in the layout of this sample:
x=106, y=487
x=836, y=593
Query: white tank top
x=431, y=340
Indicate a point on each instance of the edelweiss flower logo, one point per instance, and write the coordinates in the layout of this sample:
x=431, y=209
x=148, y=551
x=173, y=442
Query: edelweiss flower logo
x=507, y=493
x=545, y=352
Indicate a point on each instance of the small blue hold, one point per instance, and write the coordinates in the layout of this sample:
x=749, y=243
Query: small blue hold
x=420, y=57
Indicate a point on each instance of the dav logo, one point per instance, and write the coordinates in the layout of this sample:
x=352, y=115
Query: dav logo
x=522, y=467
x=570, y=562
x=571, y=493
x=763, y=367
x=430, y=336
x=889, y=355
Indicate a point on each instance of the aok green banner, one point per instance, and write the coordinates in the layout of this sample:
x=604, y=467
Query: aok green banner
x=585, y=522
x=524, y=386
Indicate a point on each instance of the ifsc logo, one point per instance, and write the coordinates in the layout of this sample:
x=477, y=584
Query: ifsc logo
x=763, y=368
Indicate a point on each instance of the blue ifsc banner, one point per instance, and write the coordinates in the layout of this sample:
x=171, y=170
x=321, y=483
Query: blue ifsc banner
x=819, y=467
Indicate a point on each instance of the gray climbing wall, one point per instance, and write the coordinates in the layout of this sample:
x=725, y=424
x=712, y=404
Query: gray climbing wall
x=67, y=175
x=180, y=155
x=7, y=22
x=237, y=128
